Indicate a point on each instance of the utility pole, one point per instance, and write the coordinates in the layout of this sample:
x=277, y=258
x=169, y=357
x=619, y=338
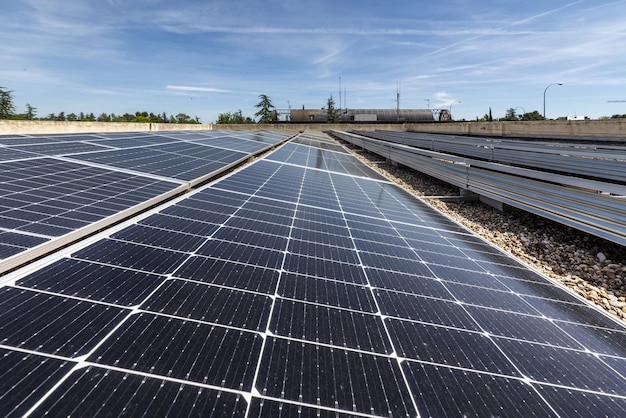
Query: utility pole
x=398, y=103
x=339, y=92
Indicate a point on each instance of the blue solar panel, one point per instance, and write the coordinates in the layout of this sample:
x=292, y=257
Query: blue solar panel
x=307, y=289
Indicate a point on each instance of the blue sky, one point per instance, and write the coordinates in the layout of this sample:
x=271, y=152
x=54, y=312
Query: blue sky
x=204, y=58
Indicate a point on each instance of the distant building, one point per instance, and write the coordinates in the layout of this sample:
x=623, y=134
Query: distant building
x=363, y=115
x=572, y=118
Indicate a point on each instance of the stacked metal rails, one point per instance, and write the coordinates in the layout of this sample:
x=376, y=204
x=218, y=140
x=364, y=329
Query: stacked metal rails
x=579, y=185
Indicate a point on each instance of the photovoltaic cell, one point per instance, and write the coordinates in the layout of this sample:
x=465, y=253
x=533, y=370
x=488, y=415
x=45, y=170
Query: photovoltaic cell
x=183, y=225
x=97, y=282
x=241, y=253
x=332, y=326
x=185, y=350
x=224, y=273
x=446, y=392
x=136, y=395
x=212, y=304
x=25, y=378
x=448, y=346
x=341, y=379
x=570, y=403
x=325, y=269
x=125, y=254
x=53, y=324
x=270, y=408
x=327, y=292
x=423, y=309
x=564, y=367
x=163, y=238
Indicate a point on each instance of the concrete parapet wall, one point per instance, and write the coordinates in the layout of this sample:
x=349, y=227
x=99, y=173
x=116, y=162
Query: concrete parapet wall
x=33, y=127
x=614, y=128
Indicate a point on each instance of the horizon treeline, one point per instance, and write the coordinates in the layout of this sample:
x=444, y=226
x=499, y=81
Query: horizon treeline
x=7, y=111
x=137, y=117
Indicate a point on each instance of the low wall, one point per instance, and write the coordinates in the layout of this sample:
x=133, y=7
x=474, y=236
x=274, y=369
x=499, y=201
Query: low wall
x=34, y=127
x=614, y=128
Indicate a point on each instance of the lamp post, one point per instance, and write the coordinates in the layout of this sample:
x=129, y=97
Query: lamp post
x=456, y=101
x=544, y=97
x=523, y=110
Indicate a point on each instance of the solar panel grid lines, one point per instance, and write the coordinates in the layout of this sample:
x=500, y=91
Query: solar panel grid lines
x=351, y=331
x=50, y=216
x=410, y=406
x=137, y=394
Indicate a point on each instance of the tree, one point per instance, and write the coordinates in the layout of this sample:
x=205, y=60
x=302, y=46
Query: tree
x=183, y=118
x=30, y=112
x=7, y=108
x=104, y=118
x=534, y=115
x=265, y=107
x=510, y=115
x=72, y=117
x=331, y=111
x=230, y=118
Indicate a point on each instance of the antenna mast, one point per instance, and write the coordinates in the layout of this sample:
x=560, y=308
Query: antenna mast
x=339, y=92
x=398, y=102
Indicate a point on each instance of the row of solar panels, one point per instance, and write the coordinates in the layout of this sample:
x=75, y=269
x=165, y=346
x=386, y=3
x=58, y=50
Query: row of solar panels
x=586, y=159
x=57, y=188
x=593, y=206
x=304, y=284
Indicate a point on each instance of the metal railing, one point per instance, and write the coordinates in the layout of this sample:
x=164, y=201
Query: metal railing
x=594, y=206
x=604, y=162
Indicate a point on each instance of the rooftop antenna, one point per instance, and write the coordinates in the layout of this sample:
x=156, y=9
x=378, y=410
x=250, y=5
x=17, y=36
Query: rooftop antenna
x=398, y=102
x=339, y=92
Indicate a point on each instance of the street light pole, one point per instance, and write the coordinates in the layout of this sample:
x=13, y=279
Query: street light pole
x=456, y=101
x=544, y=97
x=523, y=110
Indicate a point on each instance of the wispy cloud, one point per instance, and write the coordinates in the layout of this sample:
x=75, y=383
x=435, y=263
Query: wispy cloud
x=487, y=54
x=196, y=88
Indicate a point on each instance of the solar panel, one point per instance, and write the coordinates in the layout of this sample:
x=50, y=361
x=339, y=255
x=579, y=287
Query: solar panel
x=299, y=286
x=46, y=198
x=50, y=187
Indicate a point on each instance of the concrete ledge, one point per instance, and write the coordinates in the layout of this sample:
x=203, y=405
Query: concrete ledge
x=608, y=129
x=613, y=128
x=34, y=127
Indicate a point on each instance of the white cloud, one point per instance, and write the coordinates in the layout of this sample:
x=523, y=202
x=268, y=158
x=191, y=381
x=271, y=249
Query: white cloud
x=196, y=88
